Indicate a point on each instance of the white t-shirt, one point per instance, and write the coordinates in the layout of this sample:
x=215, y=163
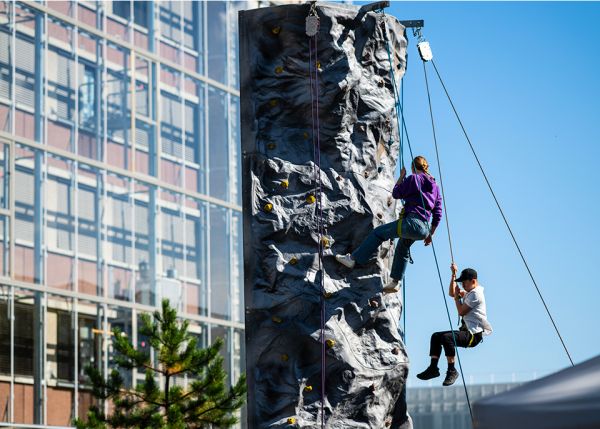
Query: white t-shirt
x=476, y=319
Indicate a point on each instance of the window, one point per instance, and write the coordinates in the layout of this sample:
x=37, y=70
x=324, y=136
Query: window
x=140, y=11
x=219, y=263
x=217, y=40
x=218, y=144
x=87, y=97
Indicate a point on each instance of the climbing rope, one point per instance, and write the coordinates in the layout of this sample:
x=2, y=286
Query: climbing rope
x=312, y=26
x=502, y=213
x=400, y=108
x=439, y=163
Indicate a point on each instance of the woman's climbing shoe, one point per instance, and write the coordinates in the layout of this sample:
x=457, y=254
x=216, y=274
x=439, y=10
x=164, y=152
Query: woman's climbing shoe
x=346, y=260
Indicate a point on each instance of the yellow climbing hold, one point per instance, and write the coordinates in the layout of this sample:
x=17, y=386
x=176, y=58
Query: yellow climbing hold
x=278, y=69
x=319, y=65
x=285, y=184
x=268, y=207
x=291, y=420
x=308, y=388
x=293, y=260
x=274, y=102
x=276, y=319
x=276, y=30
x=327, y=294
x=311, y=199
x=284, y=357
x=330, y=343
x=271, y=146
x=305, y=135
x=325, y=241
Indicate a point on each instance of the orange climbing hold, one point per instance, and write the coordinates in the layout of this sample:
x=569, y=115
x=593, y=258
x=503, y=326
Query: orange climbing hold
x=311, y=199
x=268, y=207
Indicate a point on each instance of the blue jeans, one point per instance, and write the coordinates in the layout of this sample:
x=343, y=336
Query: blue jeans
x=413, y=229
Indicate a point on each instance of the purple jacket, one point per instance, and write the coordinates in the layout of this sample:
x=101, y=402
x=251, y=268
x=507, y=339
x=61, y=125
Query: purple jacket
x=408, y=190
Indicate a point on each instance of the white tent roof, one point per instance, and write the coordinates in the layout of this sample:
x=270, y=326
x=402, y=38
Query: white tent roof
x=568, y=399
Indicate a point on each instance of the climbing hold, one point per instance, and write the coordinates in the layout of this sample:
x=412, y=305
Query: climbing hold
x=268, y=207
x=285, y=357
x=389, y=201
x=396, y=350
x=291, y=420
x=388, y=423
x=285, y=184
x=325, y=242
x=276, y=319
x=276, y=30
x=278, y=69
x=372, y=387
x=305, y=135
x=319, y=65
x=330, y=343
x=311, y=199
x=381, y=83
x=271, y=146
x=339, y=178
x=273, y=102
x=366, y=174
x=373, y=303
x=379, y=215
x=293, y=260
x=308, y=388
x=327, y=294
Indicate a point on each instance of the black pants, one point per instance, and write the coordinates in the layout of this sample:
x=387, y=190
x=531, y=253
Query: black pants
x=444, y=339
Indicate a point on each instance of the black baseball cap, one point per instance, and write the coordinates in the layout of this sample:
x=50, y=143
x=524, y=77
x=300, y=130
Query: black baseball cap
x=467, y=274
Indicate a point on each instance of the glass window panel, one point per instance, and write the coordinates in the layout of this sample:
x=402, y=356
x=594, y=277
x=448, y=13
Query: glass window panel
x=192, y=24
x=24, y=332
x=25, y=69
x=237, y=271
x=233, y=9
x=118, y=218
x=236, y=151
x=61, y=85
x=219, y=263
x=217, y=40
x=119, y=318
x=4, y=179
x=87, y=96
x=218, y=144
x=169, y=13
x=120, y=282
x=60, y=216
x=118, y=107
x=140, y=13
x=5, y=322
x=4, y=246
x=172, y=238
x=195, y=257
x=6, y=59
x=59, y=270
x=225, y=352
x=60, y=343
x=171, y=125
x=90, y=322
x=122, y=8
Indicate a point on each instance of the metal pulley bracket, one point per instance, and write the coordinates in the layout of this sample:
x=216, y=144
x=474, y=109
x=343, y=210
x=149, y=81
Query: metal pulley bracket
x=312, y=21
x=425, y=50
x=312, y=25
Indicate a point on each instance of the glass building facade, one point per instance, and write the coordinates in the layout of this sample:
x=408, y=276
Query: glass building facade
x=120, y=182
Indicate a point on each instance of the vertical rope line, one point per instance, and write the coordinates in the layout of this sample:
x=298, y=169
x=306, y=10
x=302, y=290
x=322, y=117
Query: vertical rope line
x=437, y=155
x=403, y=127
x=503, y=216
x=437, y=265
x=314, y=84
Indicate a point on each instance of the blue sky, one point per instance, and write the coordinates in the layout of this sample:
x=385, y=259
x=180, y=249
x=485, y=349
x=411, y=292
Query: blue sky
x=525, y=79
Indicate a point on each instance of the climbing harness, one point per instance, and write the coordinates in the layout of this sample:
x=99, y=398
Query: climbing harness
x=312, y=29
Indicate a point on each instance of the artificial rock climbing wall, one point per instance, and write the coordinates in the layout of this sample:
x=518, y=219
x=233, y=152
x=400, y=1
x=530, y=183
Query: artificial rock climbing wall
x=288, y=298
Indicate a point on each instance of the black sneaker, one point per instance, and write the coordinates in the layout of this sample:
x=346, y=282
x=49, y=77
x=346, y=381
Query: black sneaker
x=429, y=373
x=451, y=376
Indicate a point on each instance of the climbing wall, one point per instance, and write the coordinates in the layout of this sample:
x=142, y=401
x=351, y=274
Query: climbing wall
x=352, y=373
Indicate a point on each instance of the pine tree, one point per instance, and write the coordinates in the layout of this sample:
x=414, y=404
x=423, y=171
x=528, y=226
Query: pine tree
x=206, y=403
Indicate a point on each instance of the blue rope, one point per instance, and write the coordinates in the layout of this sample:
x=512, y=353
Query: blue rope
x=400, y=109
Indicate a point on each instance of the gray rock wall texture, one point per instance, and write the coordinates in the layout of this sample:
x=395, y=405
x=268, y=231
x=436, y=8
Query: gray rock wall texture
x=365, y=363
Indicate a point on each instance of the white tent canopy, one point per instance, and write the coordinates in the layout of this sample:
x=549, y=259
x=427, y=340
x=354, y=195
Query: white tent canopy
x=568, y=399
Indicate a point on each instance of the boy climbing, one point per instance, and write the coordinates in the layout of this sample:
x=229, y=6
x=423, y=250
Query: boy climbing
x=422, y=200
x=474, y=324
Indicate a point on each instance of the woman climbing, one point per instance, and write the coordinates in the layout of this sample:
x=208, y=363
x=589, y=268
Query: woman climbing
x=422, y=200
